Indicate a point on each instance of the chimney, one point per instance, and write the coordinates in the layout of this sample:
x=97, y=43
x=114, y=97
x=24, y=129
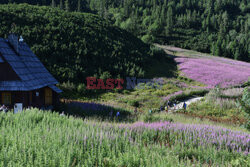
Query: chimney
x=13, y=40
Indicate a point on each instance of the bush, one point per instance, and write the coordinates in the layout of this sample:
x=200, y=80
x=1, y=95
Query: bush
x=245, y=105
x=147, y=38
x=246, y=84
x=245, y=101
x=157, y=52
x=105, y=75
x=68, y=86
x=134, y=103
x=81, y=89
x=154, y=110
x=126, y=91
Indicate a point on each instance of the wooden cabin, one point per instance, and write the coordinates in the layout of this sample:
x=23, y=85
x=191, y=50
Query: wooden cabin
x=23, y=78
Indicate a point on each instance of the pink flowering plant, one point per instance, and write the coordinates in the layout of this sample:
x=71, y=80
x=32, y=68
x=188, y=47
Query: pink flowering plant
x=190, y=136
x=62, y=141
x=214, y=71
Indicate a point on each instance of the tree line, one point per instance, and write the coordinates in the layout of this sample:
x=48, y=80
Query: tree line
x=74, y=46
x=220, y=27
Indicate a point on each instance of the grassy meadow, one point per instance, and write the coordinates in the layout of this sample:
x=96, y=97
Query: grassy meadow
x=221, y=95
x=39, y=138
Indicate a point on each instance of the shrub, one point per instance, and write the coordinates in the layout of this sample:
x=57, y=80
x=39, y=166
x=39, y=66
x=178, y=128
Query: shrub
x=105, y=75
x=81, y=89
x=245, y=101
x=157, y=52
x=68, y=86
x=126, y=91
x=246, y=84
x=134, y=103
x=245, y=105
x=146, y=38
x=154, y=110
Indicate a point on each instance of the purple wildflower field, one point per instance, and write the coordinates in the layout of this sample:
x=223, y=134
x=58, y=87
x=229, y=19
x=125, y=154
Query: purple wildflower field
x=214, y=71
x=193, y=135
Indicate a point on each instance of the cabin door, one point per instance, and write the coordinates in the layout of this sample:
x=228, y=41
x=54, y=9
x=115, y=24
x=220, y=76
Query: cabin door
x=48, y=96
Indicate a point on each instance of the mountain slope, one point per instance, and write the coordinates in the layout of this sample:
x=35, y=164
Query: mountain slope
x=219, y=27
x=75, y=45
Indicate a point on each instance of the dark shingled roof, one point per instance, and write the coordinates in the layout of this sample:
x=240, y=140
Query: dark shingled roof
x=27, y=66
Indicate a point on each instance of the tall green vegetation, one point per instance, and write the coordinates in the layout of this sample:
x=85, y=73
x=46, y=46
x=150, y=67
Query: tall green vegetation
x=245, y=101
x=37, y=138
x=245, y=105
x=220, y=27
x=74, y=45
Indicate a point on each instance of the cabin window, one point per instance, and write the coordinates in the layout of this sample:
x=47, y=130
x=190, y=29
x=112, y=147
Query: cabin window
x=6, y=98
x=48, y=96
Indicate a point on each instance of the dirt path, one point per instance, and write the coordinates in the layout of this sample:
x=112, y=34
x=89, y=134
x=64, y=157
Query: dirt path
x=188, y=102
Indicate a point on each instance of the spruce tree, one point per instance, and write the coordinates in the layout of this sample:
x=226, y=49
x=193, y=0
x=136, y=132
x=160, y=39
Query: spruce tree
x=67, y=8
x=61, y=4
x=126, y=8
x=79, y=6
x=169, y=20
x=53, y=4
x=218, y=50
x=225, y=21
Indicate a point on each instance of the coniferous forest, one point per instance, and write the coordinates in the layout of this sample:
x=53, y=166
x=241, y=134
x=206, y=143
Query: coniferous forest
x=74, y=45
x=219, y=27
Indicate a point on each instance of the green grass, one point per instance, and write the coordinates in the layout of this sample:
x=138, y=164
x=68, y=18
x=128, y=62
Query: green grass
x=219, y=106
x=164, y=67
x=207, y=109
x=147, y=98
x=37, y=138
x=174, y=81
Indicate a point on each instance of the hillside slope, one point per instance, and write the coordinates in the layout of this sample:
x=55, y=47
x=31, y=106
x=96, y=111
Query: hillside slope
x=210, y=70
x=220, y=27
x=75, y=45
